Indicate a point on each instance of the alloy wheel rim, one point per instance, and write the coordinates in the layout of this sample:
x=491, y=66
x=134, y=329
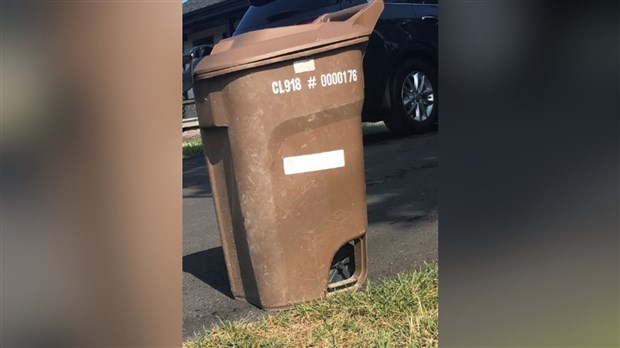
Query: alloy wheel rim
x=418, y=96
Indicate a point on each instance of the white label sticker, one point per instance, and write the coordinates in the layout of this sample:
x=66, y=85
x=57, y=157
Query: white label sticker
x=313, y=162
x=302, y=66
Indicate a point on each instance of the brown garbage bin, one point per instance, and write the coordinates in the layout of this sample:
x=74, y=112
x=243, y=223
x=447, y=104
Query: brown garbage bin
x=280, y=116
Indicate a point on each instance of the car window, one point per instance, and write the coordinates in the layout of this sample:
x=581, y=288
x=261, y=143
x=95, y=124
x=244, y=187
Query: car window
x=263, y=16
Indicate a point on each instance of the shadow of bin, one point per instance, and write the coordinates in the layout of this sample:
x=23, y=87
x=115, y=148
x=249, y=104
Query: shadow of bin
x=280, y=116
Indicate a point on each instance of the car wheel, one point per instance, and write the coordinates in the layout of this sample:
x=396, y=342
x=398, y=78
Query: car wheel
x=413, y=98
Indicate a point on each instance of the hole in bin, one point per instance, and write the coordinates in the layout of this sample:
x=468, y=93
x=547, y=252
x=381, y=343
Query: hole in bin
x=343, y=264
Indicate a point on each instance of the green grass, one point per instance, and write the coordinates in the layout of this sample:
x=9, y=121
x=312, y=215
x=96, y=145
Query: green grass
x=193, y=147
x=376, y=127
x=400, y=312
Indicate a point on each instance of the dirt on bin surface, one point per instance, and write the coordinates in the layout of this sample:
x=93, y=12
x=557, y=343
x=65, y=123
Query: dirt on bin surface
x=402, y=177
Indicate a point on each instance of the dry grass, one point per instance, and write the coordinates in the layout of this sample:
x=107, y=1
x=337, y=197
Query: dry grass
x=400, y=312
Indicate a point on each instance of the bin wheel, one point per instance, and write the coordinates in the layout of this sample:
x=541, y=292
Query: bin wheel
x=343, y=264
x=414, y=98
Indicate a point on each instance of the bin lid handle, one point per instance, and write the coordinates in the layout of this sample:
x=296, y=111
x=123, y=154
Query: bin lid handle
x=365, y=15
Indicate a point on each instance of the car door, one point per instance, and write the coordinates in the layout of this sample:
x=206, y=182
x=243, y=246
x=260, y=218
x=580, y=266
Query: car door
x=426, y=8
x=427, y=20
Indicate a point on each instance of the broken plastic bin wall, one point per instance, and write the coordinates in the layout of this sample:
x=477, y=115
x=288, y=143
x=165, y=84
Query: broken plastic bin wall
x=280, y=117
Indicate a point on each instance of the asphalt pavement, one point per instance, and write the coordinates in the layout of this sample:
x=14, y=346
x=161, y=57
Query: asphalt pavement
x=402, y=179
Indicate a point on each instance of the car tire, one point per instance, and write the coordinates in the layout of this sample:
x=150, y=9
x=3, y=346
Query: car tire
x=413, y=96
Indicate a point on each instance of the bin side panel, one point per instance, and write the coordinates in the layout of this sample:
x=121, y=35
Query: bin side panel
x=228, y=212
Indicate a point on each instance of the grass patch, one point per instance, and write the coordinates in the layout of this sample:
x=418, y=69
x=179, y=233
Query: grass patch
x=400, y=312
x=192, y=147
x=375, y=127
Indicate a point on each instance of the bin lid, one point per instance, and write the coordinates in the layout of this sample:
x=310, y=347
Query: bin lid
x=255, y=46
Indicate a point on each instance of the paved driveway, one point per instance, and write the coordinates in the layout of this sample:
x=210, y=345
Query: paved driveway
x=402, y=177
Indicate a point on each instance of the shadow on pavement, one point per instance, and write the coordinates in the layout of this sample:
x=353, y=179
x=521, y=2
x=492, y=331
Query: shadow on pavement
x=209, y=266
x=401, y=178
x=377, y=137
x=195, y=178
x=386, y=136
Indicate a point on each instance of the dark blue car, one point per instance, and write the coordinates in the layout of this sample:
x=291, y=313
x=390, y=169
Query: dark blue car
x=400, y=65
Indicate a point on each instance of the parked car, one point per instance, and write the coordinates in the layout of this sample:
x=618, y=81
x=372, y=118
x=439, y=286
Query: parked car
x=400, y=64
x=190, y=61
